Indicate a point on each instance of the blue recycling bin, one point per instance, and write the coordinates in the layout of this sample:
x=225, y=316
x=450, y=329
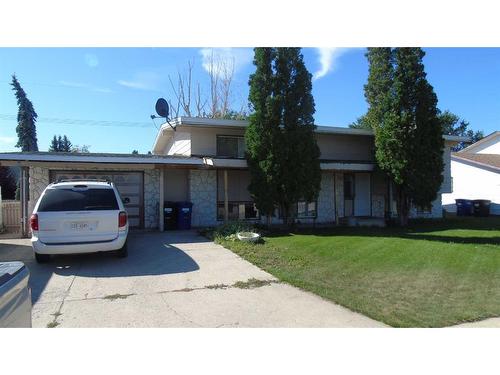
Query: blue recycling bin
x=464, y=207
x=184, y=210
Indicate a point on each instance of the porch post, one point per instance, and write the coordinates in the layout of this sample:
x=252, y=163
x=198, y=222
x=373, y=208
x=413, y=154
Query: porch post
x=226, y=201
x=162, y=198
x=24, y=201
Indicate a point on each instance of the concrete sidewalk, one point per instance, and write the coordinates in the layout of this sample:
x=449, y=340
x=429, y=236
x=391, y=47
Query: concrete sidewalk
x=170, y=279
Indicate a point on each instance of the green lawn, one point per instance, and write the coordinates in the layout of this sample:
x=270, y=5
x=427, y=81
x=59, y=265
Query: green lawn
x=433, y=274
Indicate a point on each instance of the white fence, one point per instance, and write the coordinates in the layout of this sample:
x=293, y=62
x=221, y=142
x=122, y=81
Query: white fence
x=11, y=215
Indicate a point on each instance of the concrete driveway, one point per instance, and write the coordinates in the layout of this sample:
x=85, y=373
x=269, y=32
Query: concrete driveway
x=170, y=279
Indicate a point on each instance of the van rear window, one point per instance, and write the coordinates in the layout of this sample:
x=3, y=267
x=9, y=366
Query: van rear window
x=78, y=200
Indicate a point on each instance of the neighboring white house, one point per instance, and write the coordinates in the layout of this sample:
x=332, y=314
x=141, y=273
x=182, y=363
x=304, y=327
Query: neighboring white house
x=202, y=160
x=475, y=171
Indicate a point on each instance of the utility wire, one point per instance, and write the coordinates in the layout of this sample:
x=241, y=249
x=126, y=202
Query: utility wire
x=66, y=121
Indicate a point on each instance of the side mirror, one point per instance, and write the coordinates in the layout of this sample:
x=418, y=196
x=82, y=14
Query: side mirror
x=126, y=200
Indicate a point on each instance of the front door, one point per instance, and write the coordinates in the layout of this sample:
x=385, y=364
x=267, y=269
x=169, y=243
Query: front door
x=362, y=194
x=348, y=194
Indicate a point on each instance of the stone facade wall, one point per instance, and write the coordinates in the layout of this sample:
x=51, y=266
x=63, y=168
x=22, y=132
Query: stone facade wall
x=339, y=194
x=38, y=181
x=326, y=199
x=203, y=195
x=151, y=198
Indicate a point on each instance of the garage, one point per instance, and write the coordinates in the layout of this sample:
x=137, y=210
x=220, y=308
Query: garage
x=129, y=184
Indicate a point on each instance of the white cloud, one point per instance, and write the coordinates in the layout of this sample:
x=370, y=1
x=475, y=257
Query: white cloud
x=82, y=85
x=10, y=141
x=143, y=81
x=91, y=60
x=328, y=59
x=231, y=58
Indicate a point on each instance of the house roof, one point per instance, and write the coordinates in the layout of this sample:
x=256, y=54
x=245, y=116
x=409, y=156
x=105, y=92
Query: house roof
x=234, y=124
x=473, y=146
x=70, y=157
x=487, y=161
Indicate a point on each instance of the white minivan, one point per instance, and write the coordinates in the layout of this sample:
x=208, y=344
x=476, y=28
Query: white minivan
x=79, y=217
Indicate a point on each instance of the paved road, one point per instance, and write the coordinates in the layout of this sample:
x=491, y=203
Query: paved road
x=170, y=279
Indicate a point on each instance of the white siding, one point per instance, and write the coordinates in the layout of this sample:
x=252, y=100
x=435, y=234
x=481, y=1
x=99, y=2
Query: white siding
x=490, y=146
x=179, y=144
x=471, y=182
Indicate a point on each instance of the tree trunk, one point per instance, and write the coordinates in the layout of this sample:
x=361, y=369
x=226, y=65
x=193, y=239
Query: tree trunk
x=403, y=208
x=268, y=221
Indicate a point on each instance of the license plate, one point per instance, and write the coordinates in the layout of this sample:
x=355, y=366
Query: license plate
x=79, y=226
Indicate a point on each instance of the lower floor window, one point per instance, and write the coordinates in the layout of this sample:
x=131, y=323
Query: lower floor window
x=238, y=211
x=306, y=209
x=424, y=210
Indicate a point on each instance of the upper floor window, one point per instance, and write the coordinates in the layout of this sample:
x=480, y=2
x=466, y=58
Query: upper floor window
x=231, y=146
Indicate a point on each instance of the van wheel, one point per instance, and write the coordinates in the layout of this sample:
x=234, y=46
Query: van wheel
x=123, y=252
x=42, y=258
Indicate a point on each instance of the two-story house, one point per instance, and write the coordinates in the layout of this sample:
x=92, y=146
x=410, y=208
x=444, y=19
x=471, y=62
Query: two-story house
x=202, y=161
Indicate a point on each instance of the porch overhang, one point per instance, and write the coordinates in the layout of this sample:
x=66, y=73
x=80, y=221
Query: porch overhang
x=225, y=163
x=97, y=160
x=347, y=166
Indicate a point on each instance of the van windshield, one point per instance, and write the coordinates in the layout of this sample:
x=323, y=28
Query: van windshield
x=78, y=200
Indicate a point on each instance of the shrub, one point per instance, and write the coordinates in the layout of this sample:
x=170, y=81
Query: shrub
x=228, y=230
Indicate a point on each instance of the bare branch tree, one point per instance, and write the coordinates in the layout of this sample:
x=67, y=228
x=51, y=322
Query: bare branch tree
x=218, y=103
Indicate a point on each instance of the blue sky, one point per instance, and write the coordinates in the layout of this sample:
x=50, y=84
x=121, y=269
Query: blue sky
x=117, y=88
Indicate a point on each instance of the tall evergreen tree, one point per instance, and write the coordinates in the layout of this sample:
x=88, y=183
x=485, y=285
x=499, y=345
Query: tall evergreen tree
x=408, y=134
x=262, y=134
x=60, y=144
x=65, y=145
x=299, y=154
x=26, y=119
x=282, y=152
x=54, y=145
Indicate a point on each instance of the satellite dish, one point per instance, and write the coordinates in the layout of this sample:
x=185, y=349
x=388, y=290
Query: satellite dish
x=162, y=107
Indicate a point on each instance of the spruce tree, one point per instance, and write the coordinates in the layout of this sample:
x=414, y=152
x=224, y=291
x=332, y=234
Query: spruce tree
x=26, y=119
x=60, y=144
x=282, y=152
x=408, y=134
x=65, y=145
x=54, y=145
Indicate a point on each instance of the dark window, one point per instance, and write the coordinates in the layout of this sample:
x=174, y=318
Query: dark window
x=348, y=186
x=306, y=210
x=303, y=210
x=238, y=211
x=231, y=146
x=78, y=200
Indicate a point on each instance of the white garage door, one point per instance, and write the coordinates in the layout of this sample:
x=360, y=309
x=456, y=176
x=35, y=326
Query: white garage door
x=129, y=185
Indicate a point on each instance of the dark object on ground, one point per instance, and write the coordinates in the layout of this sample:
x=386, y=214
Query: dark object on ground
x=481, y=207
x=170, y=215
x=184, y=210
x=464, y=207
